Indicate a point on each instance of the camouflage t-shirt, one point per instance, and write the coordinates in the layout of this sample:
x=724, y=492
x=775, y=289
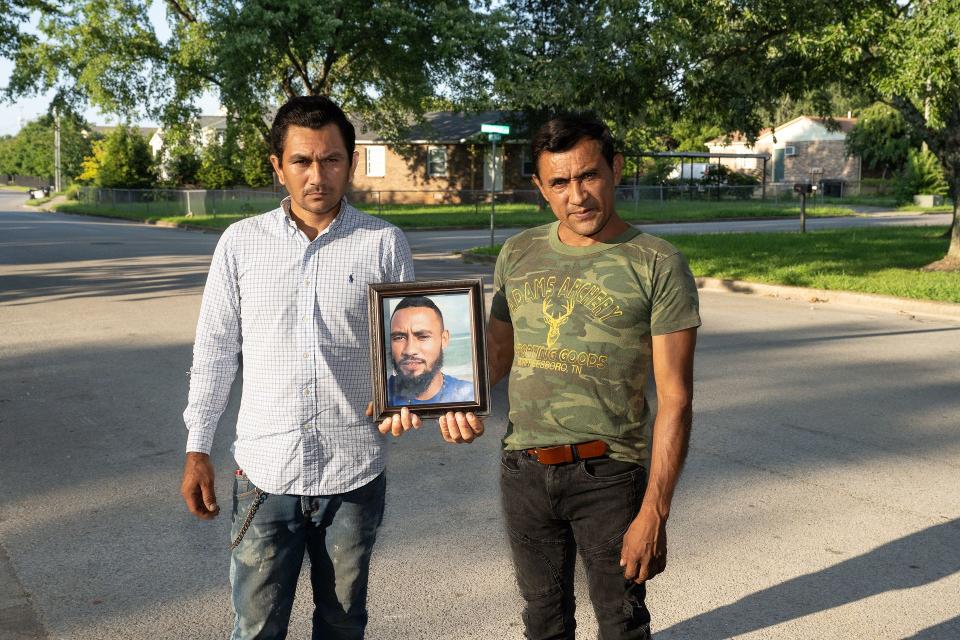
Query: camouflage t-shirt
x=582, y=321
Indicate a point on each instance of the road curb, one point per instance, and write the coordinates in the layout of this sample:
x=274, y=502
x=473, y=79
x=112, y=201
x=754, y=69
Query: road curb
x=892, y=304
x=905, y=306
x=477, y=258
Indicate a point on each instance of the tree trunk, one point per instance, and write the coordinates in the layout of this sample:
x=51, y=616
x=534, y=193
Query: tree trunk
x=951, y=261
x=953, y=253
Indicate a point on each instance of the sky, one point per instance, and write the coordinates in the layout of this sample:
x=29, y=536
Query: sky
x=14, y=116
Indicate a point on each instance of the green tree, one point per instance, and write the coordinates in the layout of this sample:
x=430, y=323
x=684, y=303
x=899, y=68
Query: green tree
x=7, y=162
x=31, y=152
x=602, y=55
x=125, y=161
x=178, y=157
x=13, y=15
x=881, y=138
x=687, y=134
x=217, y=166
x=182, y=166
x=255, y=160
x=829, y=99
x=380, y=60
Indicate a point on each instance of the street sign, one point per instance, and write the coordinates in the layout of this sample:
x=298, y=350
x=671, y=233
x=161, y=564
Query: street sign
x=495, y=128
x=493, y=137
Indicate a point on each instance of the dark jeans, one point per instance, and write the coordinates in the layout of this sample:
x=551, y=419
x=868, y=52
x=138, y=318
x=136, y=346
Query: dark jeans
x=551, y=512
x=337, y=531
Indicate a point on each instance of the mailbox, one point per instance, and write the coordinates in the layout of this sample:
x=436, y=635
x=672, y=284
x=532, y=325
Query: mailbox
x=803, y=187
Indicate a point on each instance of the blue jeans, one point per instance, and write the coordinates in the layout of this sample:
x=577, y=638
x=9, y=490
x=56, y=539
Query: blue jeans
x=551, y=511
x=337, y=531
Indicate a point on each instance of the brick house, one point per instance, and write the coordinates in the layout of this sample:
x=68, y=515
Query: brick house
x=803, y=149
x=446, y=159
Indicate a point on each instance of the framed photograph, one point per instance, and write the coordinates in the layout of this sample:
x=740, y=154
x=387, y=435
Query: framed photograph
x=427, y=348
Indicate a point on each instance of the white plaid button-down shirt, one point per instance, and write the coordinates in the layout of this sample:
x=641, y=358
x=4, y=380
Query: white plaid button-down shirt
x=296, y=312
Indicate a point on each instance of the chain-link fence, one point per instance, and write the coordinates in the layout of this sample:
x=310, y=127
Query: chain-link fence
x=200, y=202
x=32, y=182
x=384, y=201
x=180, y=202
x=633, y=200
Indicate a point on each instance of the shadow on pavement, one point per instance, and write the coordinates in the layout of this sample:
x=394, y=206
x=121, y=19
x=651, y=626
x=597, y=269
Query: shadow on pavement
x=911, y=561
x=946, y=630
x=160, y=277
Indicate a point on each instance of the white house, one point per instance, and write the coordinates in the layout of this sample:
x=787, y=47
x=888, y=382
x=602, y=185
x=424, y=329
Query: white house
x=806, y=148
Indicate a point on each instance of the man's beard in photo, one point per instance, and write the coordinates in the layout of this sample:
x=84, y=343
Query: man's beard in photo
x=413, y=386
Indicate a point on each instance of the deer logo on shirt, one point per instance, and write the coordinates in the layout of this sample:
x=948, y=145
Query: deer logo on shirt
x=555, y=322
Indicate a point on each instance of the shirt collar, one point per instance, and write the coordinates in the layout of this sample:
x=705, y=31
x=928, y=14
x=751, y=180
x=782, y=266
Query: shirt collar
x=291, y=228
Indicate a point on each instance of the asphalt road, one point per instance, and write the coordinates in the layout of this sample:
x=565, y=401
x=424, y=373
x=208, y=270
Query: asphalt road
x=820, y=498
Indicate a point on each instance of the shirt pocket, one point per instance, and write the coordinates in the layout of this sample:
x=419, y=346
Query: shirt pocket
x=342, y=301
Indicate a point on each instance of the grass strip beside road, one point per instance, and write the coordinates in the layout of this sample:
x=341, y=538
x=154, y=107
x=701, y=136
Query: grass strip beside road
x=883, y=261
x=468, y=216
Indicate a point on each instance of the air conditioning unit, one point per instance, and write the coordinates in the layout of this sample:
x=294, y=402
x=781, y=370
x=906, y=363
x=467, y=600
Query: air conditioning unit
x=789, y=151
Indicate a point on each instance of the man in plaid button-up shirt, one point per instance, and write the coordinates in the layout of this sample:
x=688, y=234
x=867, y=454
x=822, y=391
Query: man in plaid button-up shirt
x=287, y=291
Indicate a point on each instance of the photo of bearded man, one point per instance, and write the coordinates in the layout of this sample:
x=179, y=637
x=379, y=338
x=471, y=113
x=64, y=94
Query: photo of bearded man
x=416, y=344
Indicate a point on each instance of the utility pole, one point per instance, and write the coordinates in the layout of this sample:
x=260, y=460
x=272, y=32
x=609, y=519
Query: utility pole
x=56, y=150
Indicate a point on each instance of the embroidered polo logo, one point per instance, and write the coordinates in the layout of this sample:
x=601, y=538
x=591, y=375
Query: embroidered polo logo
x=555, y=322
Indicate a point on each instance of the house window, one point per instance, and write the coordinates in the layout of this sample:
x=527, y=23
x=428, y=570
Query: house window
x=526, y=159
x=436, y=161
x=376, y=161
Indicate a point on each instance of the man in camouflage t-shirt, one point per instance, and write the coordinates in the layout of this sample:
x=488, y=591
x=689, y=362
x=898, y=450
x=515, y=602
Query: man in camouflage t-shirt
x=581, y=308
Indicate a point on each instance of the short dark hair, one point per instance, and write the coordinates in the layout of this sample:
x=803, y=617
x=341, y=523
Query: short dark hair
x=563, y=132
x=312, y=112
x=423, y=302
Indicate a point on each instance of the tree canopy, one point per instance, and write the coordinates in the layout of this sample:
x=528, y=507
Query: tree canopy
x=122, y=159
x=882, y=139
x=381, y=61
x=30, y=152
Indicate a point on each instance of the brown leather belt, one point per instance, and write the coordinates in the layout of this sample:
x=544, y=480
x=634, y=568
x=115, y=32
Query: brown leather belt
x=569, y=452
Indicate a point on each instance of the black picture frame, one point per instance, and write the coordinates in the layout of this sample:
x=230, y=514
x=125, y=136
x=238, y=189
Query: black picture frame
x=463, y=302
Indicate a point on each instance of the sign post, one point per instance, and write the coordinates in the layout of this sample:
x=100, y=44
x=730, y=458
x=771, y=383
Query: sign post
x=494, y=133
x=804, y=189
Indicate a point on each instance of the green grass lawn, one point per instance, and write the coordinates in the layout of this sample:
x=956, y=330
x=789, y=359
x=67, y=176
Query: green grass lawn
x=470, y=216
x=14, y=187
x=946, y=207
x=883, y=261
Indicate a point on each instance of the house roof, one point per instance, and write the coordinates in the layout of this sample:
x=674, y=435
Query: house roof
x=105, y=129
x=443, y=126
x=212, y=122
x=845, y=125
x=438, y=126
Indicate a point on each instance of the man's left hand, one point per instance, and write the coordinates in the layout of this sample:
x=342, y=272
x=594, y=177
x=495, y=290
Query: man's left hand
x=459, y=427
x=644, y=552
x=398, y=423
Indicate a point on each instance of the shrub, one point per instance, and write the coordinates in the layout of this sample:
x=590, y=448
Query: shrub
x=923, y=173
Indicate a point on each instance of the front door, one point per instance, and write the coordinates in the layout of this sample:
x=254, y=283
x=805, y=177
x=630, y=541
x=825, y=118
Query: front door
x=778, y=165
